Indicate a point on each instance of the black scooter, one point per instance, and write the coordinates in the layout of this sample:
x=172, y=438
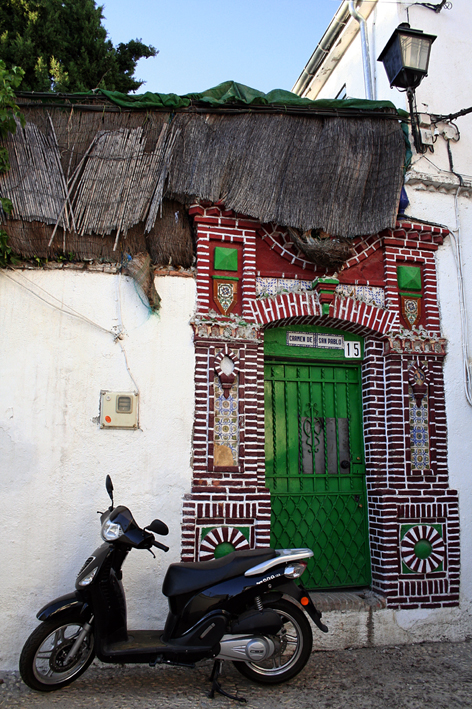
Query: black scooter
x=243, y=607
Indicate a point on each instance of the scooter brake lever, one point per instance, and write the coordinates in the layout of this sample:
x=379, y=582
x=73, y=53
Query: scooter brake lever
x=151, y=552
x=99, y=513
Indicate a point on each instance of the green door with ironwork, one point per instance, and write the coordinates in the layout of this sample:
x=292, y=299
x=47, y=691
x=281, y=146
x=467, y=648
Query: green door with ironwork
x=315, y=459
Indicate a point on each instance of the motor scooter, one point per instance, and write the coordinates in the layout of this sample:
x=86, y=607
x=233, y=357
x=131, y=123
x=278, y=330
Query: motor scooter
x=244, y=607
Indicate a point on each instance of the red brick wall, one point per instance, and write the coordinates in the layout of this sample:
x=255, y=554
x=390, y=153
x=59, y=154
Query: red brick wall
x=396, y=495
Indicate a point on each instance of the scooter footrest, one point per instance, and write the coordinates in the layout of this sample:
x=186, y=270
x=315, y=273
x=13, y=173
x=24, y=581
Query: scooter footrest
x=139, y=641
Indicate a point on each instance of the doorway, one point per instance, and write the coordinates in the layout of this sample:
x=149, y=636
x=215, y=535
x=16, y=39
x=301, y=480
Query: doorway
x=315, y=467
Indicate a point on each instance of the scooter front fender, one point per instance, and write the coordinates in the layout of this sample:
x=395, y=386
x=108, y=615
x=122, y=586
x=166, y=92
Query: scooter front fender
x=70, y=604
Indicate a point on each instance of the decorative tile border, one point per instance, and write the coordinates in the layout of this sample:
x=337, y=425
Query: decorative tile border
x=371, y=295
x=427, y=346
x=215, y=326
x=274, y=286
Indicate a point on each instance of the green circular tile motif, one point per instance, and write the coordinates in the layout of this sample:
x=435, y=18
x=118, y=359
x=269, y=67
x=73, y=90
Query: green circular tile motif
x=423, y=549
x=223, y=549
x=220, y=541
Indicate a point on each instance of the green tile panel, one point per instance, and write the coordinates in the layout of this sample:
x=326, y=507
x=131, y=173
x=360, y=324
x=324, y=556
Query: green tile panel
x=409, y=278
x=225, y=259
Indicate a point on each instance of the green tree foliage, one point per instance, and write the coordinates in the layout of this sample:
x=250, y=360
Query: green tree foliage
x=9, y=111
x=62, y=46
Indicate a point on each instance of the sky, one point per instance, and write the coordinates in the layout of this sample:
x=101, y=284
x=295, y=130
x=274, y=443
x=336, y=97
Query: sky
x=264, y=44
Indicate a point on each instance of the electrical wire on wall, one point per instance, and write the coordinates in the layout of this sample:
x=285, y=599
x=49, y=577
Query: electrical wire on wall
x=43, y=295
x=52, y=301
x=457, y=252
x=456, y=243
x=121, y=331
x=435, y=7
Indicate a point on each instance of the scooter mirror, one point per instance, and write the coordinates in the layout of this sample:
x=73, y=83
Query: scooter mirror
x=109, y=487
x=158, y=527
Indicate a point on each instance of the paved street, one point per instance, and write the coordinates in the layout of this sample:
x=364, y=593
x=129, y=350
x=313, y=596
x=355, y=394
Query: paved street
x=428, y=676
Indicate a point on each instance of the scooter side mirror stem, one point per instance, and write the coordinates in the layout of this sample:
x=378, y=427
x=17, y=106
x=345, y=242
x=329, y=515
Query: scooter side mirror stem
x=109, y=487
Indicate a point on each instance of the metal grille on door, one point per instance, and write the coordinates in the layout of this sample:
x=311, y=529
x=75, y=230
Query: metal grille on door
x=315, y=468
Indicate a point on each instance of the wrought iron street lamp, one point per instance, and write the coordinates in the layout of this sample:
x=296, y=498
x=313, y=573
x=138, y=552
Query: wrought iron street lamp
x=406, y=59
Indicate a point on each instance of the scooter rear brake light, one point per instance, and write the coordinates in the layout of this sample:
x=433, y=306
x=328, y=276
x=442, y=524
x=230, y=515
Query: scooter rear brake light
x=295, y=570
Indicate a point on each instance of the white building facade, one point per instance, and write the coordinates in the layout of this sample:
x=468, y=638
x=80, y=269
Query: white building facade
x=60, y=352
x=439, y=189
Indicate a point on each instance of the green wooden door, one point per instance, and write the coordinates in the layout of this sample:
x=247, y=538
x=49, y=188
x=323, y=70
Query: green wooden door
x=315, y=468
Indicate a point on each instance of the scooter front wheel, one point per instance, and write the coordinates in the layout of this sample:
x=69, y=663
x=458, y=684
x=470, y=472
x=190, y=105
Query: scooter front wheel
x=293, y=647
x=44, y=663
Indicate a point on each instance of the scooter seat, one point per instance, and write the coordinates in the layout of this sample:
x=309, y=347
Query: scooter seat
x=193, y=576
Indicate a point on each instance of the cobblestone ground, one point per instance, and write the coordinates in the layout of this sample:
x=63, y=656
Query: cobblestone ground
x=427, y=676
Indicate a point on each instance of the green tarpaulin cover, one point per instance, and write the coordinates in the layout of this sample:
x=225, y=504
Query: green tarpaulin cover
x=230, y=92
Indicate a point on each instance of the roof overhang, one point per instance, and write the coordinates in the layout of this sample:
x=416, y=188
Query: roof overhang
x=340, y=33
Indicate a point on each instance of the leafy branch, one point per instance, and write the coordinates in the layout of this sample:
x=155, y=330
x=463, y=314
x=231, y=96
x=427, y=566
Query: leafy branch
x=9, y=114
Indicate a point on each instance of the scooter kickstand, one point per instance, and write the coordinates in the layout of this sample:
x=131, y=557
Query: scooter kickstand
x=216, y=686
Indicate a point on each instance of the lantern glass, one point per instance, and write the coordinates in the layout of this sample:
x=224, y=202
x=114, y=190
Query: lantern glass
x=415, y=52
x=406, y=56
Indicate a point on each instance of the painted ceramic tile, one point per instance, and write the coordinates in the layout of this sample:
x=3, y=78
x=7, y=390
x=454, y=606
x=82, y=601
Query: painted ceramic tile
x=419, y=433
x=272, y=286
x=226, y=433
x=411, y=309
x=372, y=295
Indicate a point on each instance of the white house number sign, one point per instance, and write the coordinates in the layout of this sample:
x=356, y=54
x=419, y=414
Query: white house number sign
x=352, y=348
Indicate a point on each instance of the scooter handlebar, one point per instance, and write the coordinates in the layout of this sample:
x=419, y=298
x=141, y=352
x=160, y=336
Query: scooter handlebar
x=160, y=546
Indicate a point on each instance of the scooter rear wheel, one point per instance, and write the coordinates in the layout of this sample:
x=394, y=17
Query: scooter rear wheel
x=295, y=641
x=43, y=663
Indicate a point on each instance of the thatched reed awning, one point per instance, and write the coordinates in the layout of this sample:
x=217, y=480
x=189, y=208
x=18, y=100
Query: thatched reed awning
x=342, y=176
x=104, y=174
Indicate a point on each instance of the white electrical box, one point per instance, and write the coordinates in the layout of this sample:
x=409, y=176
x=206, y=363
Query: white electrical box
x=118, y=409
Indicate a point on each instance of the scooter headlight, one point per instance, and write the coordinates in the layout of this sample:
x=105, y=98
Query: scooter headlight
x=111, y=531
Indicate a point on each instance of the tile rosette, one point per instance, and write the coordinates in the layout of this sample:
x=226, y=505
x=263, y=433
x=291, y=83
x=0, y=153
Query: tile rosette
x=422, y=548
x=222, y=540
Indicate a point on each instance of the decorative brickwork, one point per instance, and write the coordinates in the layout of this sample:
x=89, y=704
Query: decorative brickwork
x=413, y=515
x=232, y=495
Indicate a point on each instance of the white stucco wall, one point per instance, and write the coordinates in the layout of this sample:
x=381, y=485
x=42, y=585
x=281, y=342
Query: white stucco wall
x=53, y=455
x=447, y=89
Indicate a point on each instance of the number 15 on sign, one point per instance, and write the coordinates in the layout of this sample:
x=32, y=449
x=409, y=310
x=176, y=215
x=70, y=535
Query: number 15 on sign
x=352, y=349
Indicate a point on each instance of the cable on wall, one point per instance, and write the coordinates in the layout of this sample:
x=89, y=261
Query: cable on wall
x=58, y=305
x=53, y=302
x=456, y=243
x=435, y=7
x=122, y=331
